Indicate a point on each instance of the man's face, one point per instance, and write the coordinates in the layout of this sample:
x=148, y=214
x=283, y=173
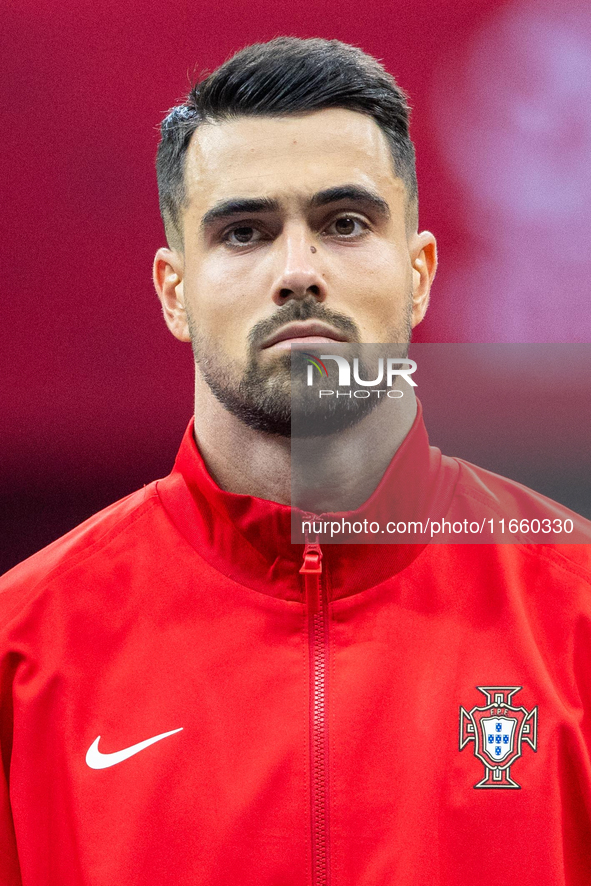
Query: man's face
x=294, y=227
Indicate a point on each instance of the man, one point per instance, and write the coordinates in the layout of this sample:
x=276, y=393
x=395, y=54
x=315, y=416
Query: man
x=191, y=698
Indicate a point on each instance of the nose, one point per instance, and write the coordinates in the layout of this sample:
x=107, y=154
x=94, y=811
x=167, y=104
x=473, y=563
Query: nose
x=298, y=267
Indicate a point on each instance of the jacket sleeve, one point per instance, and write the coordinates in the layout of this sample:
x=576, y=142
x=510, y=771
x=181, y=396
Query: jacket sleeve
x=9, y=864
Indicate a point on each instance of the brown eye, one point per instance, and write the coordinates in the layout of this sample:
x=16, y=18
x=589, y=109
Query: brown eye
x=242, y=235
x=345, y=225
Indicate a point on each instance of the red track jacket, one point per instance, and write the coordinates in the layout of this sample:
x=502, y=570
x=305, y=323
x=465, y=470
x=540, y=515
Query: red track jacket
x=182, y=705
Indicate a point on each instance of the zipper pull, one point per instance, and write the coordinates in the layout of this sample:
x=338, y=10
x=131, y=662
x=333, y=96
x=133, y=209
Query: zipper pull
x=312, y=558
x=311, y=569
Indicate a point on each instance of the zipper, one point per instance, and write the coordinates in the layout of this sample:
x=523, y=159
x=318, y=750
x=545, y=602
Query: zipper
x=317, y=608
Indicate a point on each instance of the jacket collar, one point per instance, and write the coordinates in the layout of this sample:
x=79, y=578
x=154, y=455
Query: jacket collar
x=248, y=539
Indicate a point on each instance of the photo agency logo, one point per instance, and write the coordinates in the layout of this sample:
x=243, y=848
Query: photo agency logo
x=333, y=392
x=388, y=371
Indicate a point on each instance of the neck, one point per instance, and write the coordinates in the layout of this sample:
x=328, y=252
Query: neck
x=334, y=473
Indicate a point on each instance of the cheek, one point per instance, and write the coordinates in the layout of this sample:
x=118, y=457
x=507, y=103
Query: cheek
x=221, y=309
x=228, y=281
x=379, y=290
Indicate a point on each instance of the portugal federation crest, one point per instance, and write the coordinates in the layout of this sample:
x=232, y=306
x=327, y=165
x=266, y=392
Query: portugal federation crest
x=498, y=731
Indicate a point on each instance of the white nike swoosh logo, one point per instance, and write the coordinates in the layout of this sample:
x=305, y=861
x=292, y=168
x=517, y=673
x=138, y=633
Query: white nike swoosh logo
x=96, y=760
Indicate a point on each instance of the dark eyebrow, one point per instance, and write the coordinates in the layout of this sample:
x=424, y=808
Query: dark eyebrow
x=229, y=208
x=352, y=194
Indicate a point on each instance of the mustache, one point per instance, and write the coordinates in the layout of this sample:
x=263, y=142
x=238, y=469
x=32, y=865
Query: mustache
x=308, y=309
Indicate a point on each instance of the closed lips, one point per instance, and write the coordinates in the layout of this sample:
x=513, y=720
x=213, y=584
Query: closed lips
x=304, y=331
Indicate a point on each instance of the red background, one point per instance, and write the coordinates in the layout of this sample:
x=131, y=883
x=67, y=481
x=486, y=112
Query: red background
x=95, y=393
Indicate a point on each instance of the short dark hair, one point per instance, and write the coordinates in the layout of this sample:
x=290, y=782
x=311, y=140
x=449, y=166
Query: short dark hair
x=287, y=75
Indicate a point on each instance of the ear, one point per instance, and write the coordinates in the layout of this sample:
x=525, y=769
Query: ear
x=423, y=254
x=168, y=280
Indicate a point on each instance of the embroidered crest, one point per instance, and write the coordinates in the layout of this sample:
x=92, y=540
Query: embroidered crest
x=498, y=731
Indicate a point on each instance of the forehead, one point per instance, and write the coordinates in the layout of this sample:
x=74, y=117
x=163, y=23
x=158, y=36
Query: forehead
x=283, y=157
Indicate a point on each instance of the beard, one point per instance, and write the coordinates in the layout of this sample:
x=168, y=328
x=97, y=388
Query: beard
x=271, y=395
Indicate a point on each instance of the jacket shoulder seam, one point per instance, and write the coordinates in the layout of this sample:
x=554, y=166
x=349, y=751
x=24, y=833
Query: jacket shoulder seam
x=559, y=559
x=553, y=555
x=77, y=558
